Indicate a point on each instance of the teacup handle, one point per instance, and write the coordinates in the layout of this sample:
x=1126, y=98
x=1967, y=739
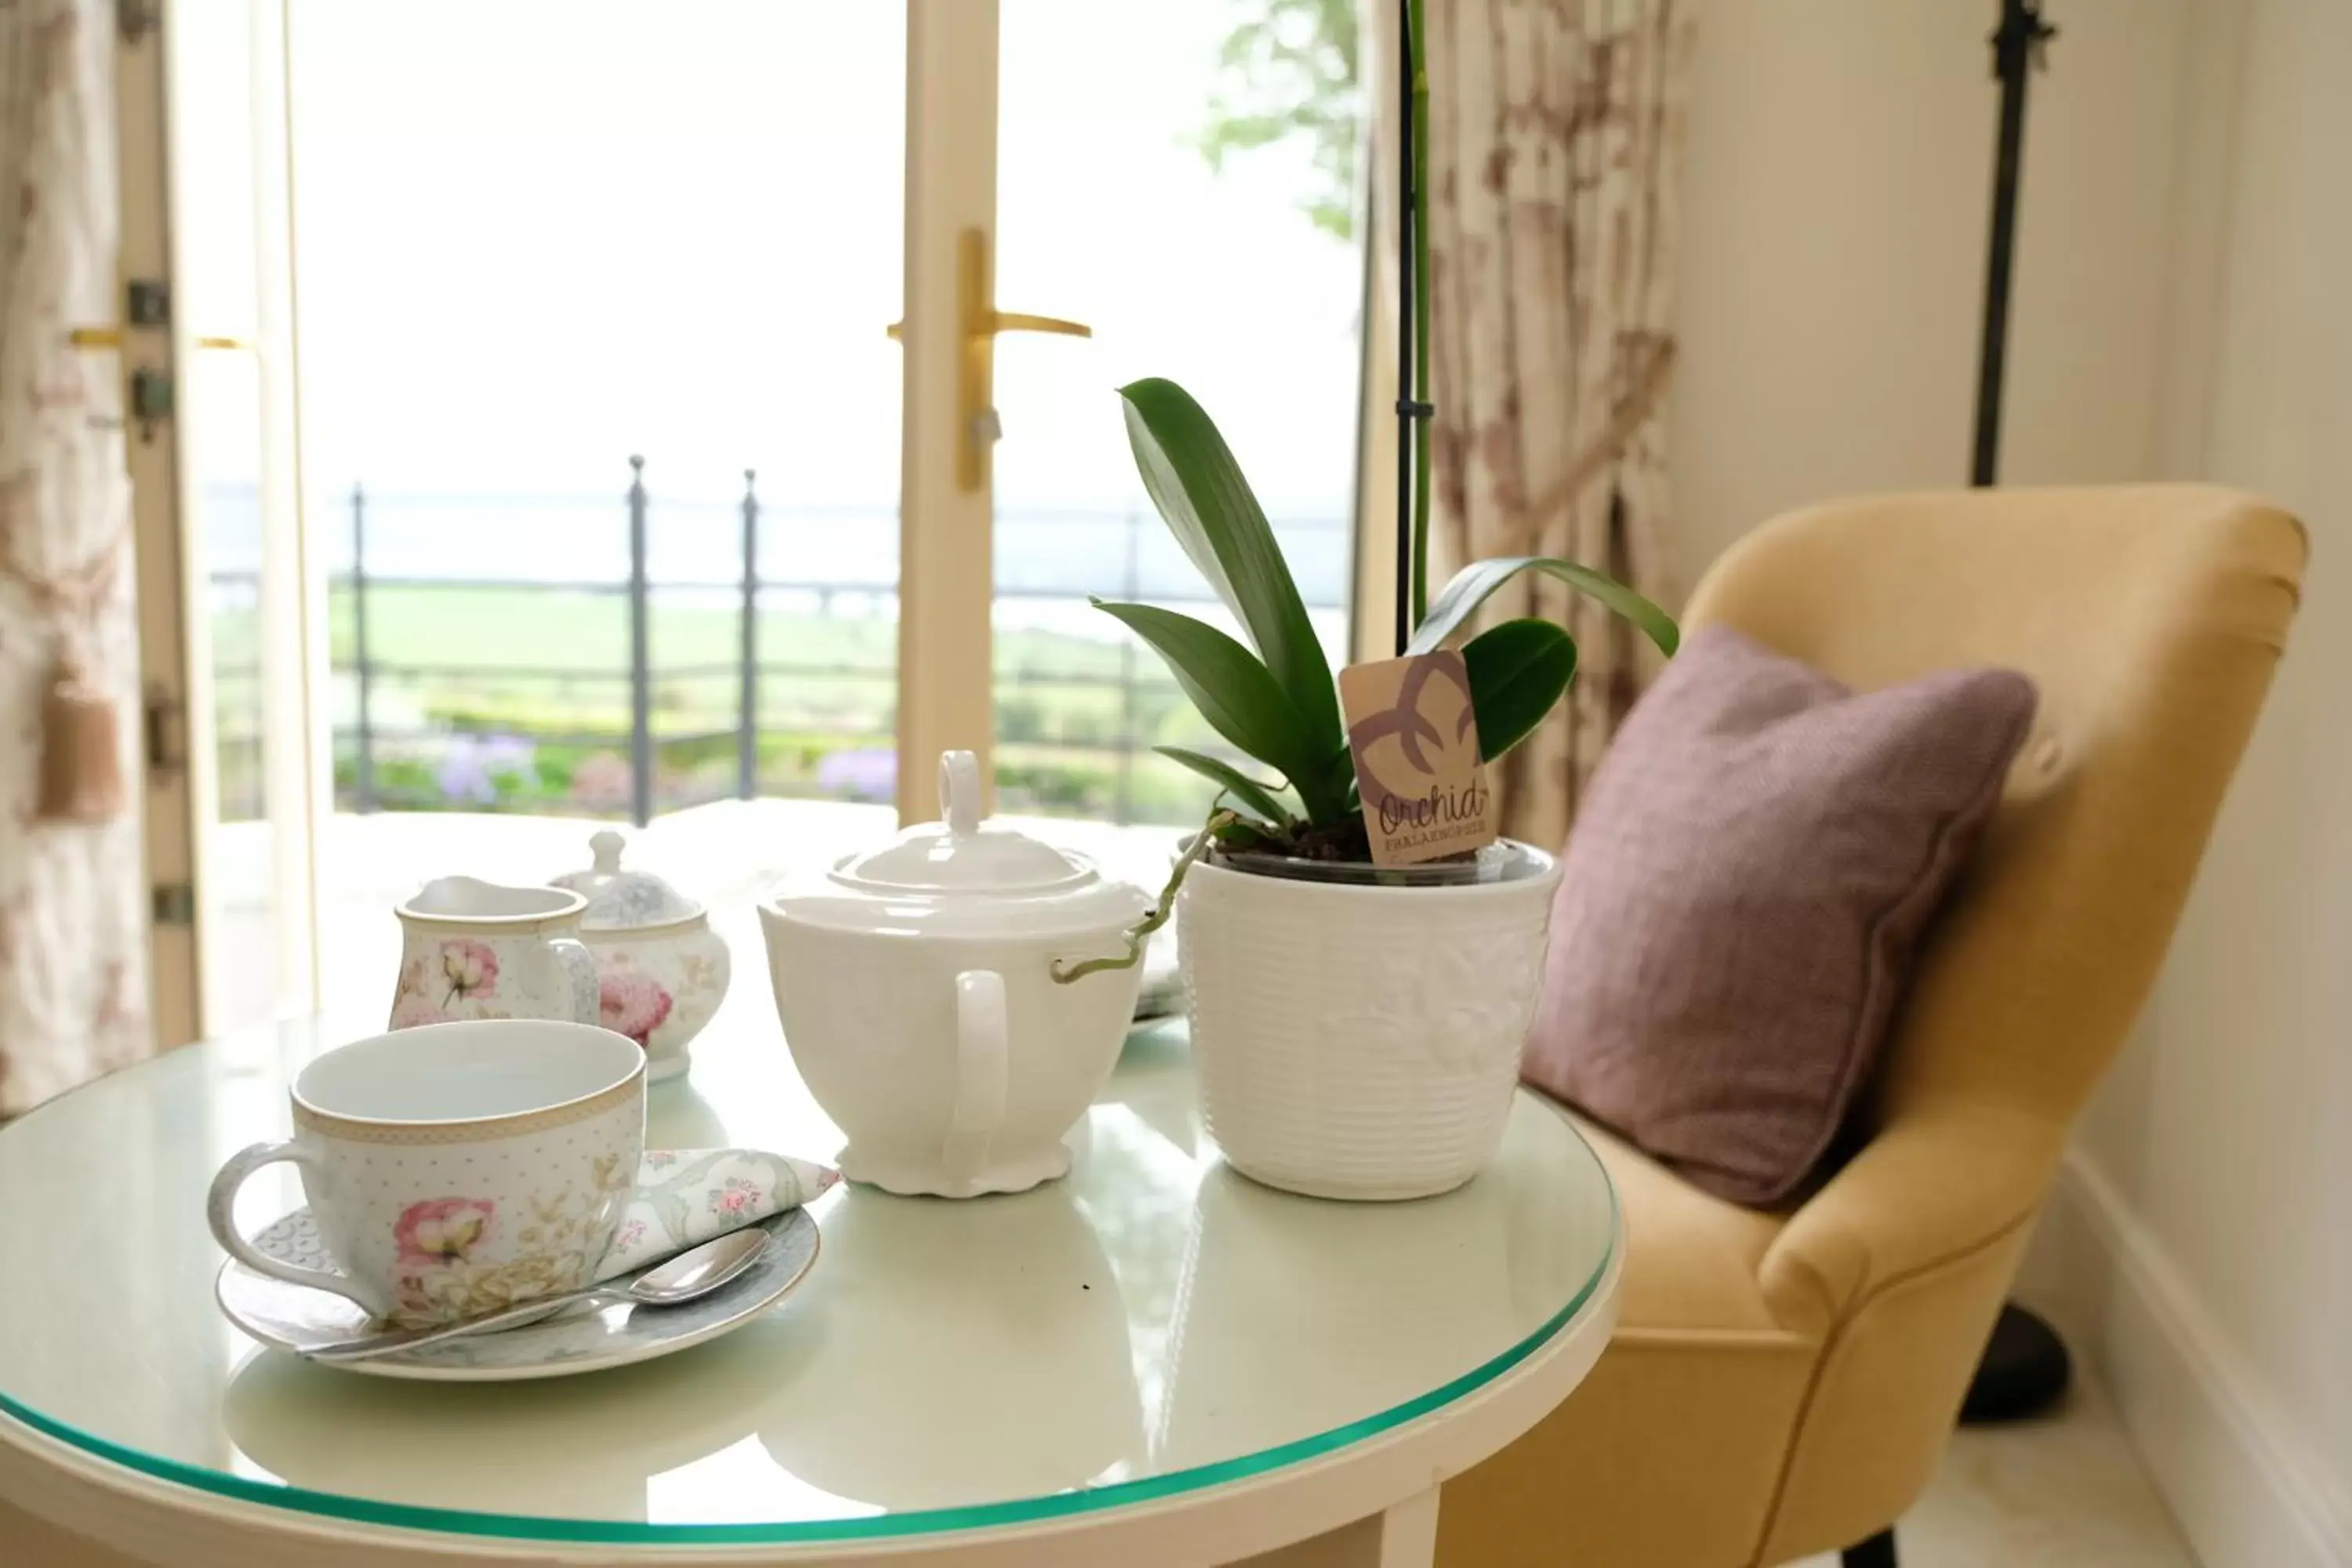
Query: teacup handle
x=981, y=1069
x=220, y=1212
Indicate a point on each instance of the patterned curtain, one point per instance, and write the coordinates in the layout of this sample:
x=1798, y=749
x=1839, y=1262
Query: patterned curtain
x=72, y=934
x=1555, y=141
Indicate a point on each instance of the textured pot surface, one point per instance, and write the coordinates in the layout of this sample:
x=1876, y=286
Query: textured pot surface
x=1360, y=1042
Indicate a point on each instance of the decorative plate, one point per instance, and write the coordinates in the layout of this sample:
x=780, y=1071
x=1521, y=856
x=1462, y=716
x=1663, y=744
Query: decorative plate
x=585, y=1339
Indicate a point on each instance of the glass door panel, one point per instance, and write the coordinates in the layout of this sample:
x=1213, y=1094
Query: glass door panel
x=606, y=511
x=593, y=305
x=1231, y=274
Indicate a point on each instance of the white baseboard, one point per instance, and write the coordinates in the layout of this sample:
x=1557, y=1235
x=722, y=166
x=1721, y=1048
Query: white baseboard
x=2248, y=1489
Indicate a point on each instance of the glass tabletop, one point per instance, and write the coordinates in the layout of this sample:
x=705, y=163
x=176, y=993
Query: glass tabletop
x=1154, y=1324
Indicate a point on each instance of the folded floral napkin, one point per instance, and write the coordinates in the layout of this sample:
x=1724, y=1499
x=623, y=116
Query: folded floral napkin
x=685, y=1196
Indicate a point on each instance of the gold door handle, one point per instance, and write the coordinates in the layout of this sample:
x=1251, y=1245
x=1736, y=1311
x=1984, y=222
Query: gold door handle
x=977, y=425
x=111, y=338
x=1013, y=322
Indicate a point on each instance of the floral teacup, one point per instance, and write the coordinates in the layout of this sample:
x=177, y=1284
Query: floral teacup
x=456, y=1168
x=471, y=949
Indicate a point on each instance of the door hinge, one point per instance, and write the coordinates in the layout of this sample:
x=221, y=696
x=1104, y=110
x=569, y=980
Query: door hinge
x=147, y=302
x=175, y=904
x=167, y=733
x=135, y=19
x=151, y=400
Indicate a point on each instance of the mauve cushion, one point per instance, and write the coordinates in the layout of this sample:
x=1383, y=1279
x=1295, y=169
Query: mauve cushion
x=1750, y=870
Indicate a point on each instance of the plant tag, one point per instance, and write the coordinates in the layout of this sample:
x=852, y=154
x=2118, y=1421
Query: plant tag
x=1415, y=740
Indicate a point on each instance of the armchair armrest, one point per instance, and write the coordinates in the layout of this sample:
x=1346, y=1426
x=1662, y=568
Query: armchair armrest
x=1935, y=1185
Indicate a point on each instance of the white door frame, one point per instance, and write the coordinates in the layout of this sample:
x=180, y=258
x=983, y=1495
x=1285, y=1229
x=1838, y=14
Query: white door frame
x=946, y=531
x=298, y=768
x=183, y=800
x=174, y=663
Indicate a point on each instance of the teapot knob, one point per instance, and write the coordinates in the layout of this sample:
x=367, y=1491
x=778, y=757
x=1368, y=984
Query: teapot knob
x=606, y=846
x=960, y=792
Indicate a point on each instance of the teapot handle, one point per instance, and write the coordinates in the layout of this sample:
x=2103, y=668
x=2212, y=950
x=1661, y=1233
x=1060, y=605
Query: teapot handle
x=960, y=792
x=981, y=1070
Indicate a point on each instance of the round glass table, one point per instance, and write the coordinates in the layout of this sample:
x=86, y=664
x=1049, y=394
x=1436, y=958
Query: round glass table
x=1154, y=1360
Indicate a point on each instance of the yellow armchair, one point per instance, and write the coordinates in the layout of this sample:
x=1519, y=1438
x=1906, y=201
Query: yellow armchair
x=1782, y=1385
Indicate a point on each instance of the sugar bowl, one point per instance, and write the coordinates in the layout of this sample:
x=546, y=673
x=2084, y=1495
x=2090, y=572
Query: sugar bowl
x=661, y=971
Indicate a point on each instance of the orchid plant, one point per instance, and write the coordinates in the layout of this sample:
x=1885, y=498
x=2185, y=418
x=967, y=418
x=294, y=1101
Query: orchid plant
x=1274, y=699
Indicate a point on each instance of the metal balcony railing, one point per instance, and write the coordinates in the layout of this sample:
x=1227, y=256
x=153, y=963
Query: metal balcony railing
x=782, y=678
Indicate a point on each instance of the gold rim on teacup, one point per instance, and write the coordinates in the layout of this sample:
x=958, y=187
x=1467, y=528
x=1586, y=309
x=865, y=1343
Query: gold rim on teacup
x=468, y=1129
x=472, y=1129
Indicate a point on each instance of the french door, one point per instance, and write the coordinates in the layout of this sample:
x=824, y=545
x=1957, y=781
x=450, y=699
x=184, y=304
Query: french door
x=227, y=643
x=579, y=475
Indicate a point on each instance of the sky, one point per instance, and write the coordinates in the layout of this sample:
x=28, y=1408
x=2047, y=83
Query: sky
x=533, y=238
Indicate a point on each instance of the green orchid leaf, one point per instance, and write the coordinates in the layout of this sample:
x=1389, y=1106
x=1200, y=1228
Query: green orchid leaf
x=1517, y=671
x=1191, y=477
x=1237, y=694
x=1258, y=797
x=1473, y=583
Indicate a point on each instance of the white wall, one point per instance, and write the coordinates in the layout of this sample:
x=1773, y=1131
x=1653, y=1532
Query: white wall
x=2183, y=308
x=1838, y=179
x=2211, y=1203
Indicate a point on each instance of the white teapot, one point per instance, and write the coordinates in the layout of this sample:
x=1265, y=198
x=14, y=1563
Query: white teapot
x=917, y=986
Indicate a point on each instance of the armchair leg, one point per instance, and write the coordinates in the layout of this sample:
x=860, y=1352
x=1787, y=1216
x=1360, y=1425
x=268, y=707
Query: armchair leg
x=1878, y=1551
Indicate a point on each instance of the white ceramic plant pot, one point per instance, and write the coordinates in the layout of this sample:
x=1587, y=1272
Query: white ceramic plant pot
x=1360, y=1041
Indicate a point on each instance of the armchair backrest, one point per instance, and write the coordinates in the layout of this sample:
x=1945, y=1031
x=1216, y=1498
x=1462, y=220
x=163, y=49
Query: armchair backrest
x=2150, y=618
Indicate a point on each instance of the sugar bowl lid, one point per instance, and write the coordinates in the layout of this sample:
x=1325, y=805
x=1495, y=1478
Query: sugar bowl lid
x=622, y=900
x=962, y=876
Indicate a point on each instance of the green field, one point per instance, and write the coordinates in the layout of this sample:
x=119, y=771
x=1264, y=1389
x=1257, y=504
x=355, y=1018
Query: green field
x=518, y=698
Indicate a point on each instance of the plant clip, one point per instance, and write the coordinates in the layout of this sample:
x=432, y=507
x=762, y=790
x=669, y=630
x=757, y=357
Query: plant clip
x=1411, y=409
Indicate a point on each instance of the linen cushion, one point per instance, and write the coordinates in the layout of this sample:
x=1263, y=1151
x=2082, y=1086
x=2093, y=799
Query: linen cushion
x=1750, y=870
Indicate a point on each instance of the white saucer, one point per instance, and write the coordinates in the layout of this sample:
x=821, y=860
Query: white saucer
x=294, y=1317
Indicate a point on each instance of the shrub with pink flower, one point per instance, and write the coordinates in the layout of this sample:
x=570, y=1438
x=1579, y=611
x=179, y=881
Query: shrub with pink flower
x=603, y=782
x=471, y=968
x=439, y=1230
x=631, y=1002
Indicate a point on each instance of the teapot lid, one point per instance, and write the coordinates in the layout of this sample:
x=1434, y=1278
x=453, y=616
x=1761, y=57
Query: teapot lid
x=624, y=899
x=961, y=854
x=962, y=876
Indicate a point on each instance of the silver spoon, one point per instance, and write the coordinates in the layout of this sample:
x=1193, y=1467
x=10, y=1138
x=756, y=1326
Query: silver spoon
x=696, y=1272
